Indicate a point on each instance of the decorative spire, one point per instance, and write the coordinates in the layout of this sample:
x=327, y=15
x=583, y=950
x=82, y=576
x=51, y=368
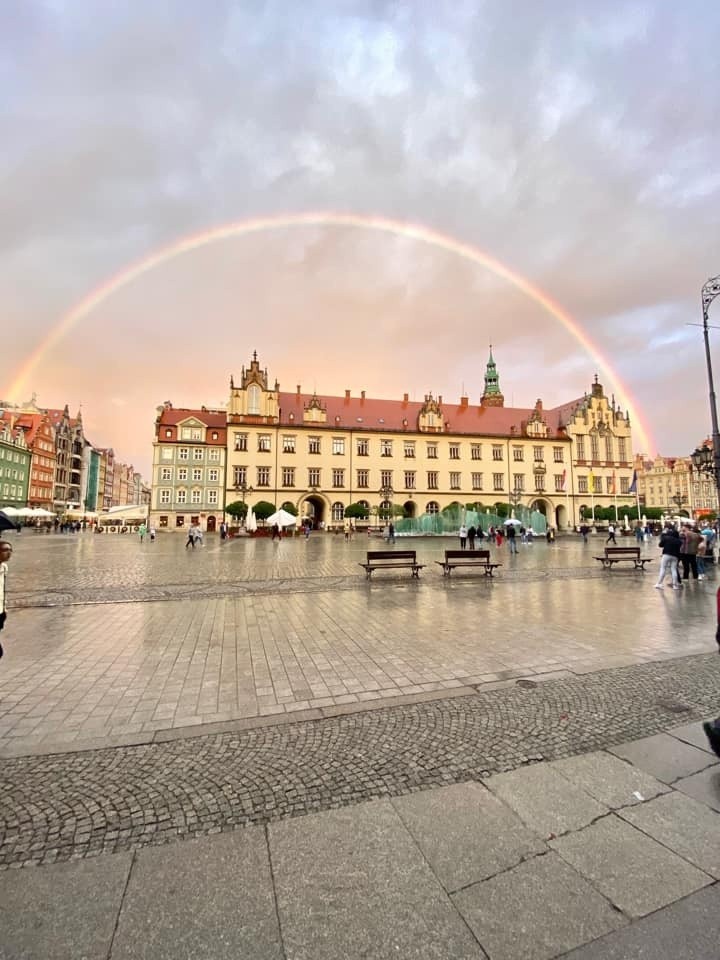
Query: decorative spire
x=492, y=396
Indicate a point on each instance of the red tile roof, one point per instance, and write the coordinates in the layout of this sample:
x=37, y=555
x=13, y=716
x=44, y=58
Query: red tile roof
x=171, y=416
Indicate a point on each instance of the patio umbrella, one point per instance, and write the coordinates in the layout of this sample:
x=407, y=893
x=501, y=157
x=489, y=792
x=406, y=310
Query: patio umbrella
x=11, y=511
x=26, y=512
x=41, y=512
x=282, y=518
x=511, y=521
x=251, y=521
x=5, y=521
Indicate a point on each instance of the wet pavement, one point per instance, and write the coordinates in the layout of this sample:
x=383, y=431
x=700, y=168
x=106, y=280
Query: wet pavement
x=110, y=641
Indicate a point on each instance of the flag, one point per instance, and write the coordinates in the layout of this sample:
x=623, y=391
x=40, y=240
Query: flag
x=563, y=485
x=613, y=488
x=591, y=482
x=633, y=485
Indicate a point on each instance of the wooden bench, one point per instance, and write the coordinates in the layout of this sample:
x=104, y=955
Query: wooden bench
x=618, y=554
x=468, y=558
x=387, y=559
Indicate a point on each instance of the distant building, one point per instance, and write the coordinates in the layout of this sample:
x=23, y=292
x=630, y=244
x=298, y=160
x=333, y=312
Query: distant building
x=15, y=461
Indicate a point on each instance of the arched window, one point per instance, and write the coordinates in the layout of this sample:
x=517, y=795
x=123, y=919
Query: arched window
x=253, y=398
x=366, y=507
x=338, y=512
x=432, y=507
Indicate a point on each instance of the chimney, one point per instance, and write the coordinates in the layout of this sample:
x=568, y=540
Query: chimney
x=439, y=400
x=298, y=391
x=405, y=398
x=347, y=395
x=463, y=402
x=362, y=395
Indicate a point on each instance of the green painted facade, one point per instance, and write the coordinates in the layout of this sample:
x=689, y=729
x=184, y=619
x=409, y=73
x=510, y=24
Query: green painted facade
x=14, y=470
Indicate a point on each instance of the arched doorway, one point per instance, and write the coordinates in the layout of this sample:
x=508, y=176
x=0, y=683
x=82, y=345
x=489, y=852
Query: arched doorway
x=314, y=509
x=409, y=508
x=211, y=524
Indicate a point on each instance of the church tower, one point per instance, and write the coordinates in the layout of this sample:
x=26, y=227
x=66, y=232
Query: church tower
x=492, y=397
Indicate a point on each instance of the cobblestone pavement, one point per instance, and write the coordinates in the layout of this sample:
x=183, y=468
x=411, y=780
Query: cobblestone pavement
x=81, y=804
x=253, y=629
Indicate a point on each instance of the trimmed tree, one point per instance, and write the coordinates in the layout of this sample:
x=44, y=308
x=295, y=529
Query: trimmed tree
x=357, y=511
x=289, y=508
x=237, y=509
x=263, y=509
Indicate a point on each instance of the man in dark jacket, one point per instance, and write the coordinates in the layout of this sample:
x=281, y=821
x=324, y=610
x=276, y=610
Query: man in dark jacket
x=670, y=545
x=690, y=539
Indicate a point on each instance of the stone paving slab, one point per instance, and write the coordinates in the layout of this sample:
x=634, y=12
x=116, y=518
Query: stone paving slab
x=703, y=786
x=536, y=911
x=351, y=883
x=693, y=734
x=545, y=800
x=608, y=779
x=634, y=872
x=664, y=756
x=205, y=898
x=684, y=825
x=465, y=833
x=65, y=912
x=687, y=930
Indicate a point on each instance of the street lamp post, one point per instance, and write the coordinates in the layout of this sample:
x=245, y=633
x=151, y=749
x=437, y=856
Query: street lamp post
x=386, y=492
x=515, y=497
x=244, y=489
x=678, y=499
x=710, y=290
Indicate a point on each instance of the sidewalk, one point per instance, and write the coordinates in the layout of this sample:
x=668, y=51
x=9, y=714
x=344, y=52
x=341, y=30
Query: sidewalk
x=602, y=856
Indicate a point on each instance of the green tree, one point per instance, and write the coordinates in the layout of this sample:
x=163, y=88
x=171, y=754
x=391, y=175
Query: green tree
x=289, y=508
x=357, y=511
x=237, y=509
x=264, y=509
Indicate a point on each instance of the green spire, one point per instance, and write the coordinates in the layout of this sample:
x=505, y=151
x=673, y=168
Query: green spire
x=492, y=381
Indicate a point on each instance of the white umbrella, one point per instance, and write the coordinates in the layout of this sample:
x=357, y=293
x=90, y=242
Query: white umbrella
x=11, y=511
x=282, y=518
x=512, y=521
x=40, y=512
x=27, y=512
x=250, y=520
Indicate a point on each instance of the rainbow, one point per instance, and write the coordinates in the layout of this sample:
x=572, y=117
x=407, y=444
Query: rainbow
x=325, y=218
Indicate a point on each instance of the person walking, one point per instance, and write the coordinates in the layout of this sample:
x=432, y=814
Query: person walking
x=584, y=531
x=690, y=539
x=670, y=546
x=462, y=533
x=391, y=532
x=472, y=533
x=700, y=557
x=5, y=555
x=511, y=535
x=611, y=534
x=190, y=542
x=142, y=530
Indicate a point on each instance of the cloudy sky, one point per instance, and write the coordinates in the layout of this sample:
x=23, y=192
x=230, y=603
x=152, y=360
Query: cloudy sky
x=575, y=142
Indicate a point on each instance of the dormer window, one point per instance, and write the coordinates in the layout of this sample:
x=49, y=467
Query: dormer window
x=253, y=399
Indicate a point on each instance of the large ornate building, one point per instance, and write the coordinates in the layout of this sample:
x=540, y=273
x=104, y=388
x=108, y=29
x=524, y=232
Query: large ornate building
x=322, y=453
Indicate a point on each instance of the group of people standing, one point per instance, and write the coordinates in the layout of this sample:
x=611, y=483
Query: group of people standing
x=684, y=549
x=496, y=535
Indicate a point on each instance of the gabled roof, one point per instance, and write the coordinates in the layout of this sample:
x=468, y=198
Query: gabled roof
x=362, y=413
x=29, y=422
x=172, y=416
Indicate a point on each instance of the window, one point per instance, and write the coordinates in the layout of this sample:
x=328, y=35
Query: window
x=497, y=481
x=363, y=479
x=313, y=444
x=198, y=453
x=196, y=496
x=582, y=484
x=559, y=483
x=212, y=497
x=432, y=480
x=558, y=455
x=253, y=399
x=215, y=435
x=181, y=496
x=538, y=454
x=518, y=454
x=597, y=484
x=624, y=485
x=165, y=496
x=594, y=447
x=432, y=451
x=166, y=473
x=337, y=511
x=239, y=476
x=314, y=477
x=168, y=434
x=610, y=484
x=338, y=478
x=477, y=481
x=608, y=447
x=241, y=442
x=263, y=476
x=454, y=451
x=192, y=433
x=288, y=476
x=214, y=455
x=163, y=521
x=197, y=473
x=183, y=453
x=519, y=482
x=363, y=448
x=476, y=451
x=539, y=482
x=622, y=452
x=182, y=473
x=497, y=452
x=409, y=479
x=433, y=507
x=386, y=478
x=386, y=448
x=454, y=480
x=213, y=476
x=366, y=507
x=264, y=444
x=409, y=448
x=288, y=444
x=338, y=446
